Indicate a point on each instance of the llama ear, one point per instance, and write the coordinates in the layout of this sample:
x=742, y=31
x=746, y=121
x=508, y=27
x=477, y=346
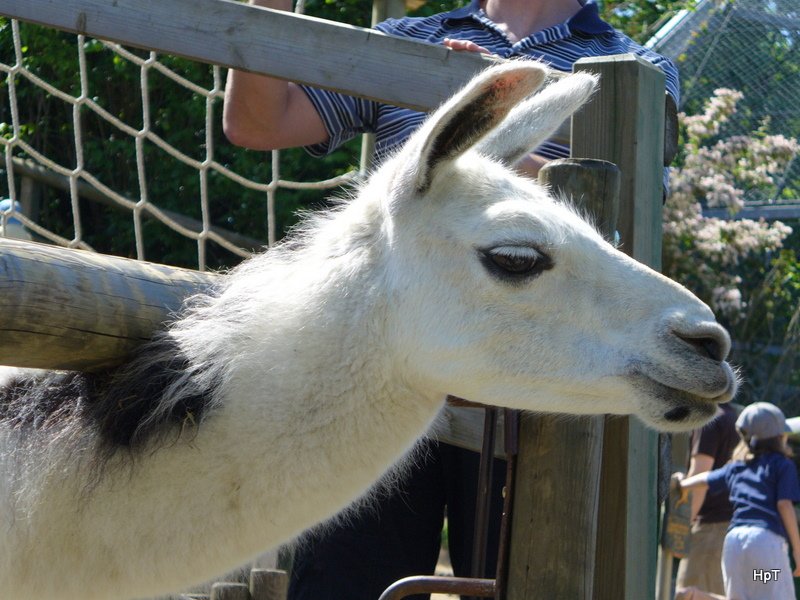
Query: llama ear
x=473, y=112
x=533, y=121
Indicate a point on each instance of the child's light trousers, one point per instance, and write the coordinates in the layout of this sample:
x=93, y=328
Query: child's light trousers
x=755, y=565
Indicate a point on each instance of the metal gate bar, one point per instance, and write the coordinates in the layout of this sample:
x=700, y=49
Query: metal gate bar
x=478, y=588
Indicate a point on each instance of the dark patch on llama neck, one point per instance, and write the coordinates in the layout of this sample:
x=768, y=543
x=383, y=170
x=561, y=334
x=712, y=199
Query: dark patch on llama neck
x=124, y=407
x=133, y=403
x=44, y=402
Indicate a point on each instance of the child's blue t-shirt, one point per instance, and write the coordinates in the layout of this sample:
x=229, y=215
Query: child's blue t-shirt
x=754, y=489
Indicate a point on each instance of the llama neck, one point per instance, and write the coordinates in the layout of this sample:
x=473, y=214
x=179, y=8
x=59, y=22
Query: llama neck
x=341, y=403
x=313, y=410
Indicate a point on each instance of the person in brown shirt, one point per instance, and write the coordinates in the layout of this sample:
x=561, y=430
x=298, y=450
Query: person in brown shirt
x=712, y=447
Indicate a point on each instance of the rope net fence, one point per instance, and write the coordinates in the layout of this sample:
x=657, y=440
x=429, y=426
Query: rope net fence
x=752, y=46
x=135, y=163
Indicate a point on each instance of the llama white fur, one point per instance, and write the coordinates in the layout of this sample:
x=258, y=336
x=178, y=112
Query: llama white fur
x=316, y=366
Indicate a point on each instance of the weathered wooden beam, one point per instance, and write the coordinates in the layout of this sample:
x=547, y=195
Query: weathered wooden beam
x=71, y=309
x=624, y=124
x=354, y=60
x=559, y=460
x=626, y=127
x=268, y=584
x=462, y=426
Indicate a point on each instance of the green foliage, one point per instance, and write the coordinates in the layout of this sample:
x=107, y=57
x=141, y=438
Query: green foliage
x=640, y=19
x=768, y=339
x=176, y=115
x=354, y=12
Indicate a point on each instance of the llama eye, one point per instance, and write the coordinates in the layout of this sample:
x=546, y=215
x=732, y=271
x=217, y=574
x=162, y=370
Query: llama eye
x=515, y=262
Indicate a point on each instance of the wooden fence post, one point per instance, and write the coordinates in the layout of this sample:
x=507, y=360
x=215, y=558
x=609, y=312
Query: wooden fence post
x=624, y=124
x=268, y=584
x=230, y=591
x=552, y=552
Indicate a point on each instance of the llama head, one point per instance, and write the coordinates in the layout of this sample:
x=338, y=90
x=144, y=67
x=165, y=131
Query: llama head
x=504, y=295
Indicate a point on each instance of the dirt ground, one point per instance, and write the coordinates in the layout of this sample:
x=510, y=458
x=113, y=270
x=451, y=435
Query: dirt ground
x=444, y=568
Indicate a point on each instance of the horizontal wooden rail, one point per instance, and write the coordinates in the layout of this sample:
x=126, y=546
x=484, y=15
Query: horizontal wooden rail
x=308, y=50
x=73, y=309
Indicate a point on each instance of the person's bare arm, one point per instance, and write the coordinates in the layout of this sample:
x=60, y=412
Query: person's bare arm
x=683, y=484
x=699, y=463
x=263, y=113
x=789, y=518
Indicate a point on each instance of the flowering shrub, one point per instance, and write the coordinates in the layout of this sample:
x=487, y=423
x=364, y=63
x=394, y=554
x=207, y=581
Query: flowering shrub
x=739, y=267
x=710, y=255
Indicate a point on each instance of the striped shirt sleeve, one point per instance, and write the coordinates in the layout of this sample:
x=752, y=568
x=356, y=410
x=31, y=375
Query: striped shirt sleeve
x=344, y=118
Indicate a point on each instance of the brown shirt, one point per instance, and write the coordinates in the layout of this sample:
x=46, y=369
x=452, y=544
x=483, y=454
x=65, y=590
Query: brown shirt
x=717, y=439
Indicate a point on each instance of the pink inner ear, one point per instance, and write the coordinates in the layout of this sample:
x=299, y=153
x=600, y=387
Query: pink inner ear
x=476, y=111
x=509, y=89
x=502, y=87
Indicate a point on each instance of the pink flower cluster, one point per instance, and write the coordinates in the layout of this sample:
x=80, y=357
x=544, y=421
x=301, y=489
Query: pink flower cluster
x=717, y=111
x=703, y=252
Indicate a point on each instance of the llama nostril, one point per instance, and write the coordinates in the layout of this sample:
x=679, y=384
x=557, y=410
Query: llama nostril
x=705, y=345
x=677, y=414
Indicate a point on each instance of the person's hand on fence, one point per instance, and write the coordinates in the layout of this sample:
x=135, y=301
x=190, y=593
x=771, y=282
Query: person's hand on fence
x=675, y=486
x=464, y=46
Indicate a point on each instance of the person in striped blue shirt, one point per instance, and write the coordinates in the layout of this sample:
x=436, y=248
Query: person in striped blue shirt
x=264, y=113
x=400, y=535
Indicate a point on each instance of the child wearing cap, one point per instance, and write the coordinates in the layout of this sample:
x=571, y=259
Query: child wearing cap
x=762, y=485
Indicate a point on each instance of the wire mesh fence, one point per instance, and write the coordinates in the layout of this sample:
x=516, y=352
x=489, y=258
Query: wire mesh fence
x=752, y=46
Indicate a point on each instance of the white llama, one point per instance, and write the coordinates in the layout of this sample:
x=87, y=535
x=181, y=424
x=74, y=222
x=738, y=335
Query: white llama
x=281, y=397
